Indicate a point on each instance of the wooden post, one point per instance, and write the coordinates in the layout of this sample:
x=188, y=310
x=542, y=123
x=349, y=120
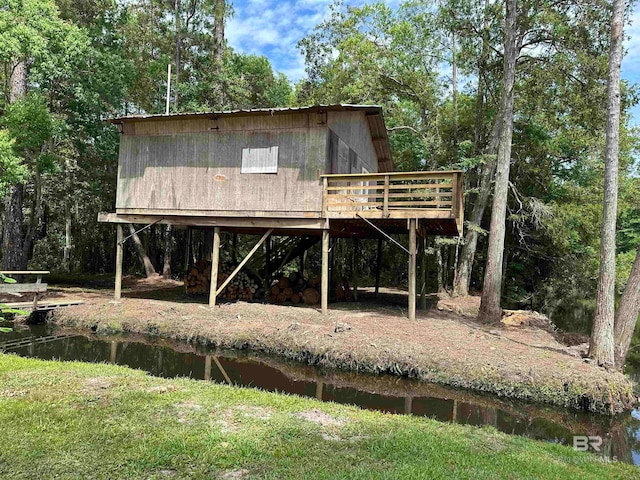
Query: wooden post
x=207, y=367
x=378, y=265
x=385, y=197
x=412, y=269
x=324, y=291
x=459, y=202
x=408, y=405
x=119, y=254
x=215, y=260
x=354, y=268
x=113, y=351
x=325, y=192
x=423, y=274
x=267, y=264
x=35, y=295
x=319, y=388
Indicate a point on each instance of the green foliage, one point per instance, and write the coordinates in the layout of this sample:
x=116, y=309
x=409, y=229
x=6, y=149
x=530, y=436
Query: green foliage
x=30, y=123
x=154, y=30
x=628, y=236
x=374, y=54
x=26, y=26
x=12, y=170
x=257, y=85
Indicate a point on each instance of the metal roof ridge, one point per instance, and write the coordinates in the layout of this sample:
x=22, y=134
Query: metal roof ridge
x=336, y=106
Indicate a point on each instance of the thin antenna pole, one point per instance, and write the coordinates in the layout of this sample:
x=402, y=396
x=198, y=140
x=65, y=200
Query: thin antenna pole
x=168, y=87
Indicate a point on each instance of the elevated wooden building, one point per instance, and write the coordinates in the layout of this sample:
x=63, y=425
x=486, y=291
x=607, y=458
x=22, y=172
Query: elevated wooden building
x=324, y=170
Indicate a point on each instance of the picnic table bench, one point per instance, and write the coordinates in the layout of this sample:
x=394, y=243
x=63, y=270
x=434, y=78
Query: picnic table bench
x=19, y=288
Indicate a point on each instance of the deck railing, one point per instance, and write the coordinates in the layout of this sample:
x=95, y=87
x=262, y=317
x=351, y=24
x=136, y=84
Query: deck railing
x=394, y=195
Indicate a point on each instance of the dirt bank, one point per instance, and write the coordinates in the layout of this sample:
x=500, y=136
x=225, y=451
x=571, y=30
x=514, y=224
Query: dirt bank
x=519, y=362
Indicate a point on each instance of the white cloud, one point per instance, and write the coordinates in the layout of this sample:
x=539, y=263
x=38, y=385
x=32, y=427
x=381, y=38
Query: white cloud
x=274, y=28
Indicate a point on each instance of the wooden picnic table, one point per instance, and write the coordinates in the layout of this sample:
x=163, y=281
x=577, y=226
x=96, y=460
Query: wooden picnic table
x=19, y=288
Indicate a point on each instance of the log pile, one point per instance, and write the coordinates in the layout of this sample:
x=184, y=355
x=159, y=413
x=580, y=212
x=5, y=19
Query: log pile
x=198, y=281
x=294, y=289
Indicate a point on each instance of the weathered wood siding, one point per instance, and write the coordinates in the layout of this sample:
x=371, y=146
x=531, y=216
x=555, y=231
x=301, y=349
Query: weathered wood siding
x=354, y=136
x=194, y=165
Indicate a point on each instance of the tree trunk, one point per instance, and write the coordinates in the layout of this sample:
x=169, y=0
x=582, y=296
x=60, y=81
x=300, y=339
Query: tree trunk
x=463, y=271
x=464, y=268
x=208, y=245
x=439, y=263
x=219, y=13
x=67, y=242
x=12, y=239
x=36, y=219
x=142, y=253
x=454, y=84
x=627, y=314
x=479, y=134
x=177, y=12
x=168, y=247
x=152, y=245
x=601, y=347
x=467, y=253
x=13, y=257
x=18, y=82
x=490, y=310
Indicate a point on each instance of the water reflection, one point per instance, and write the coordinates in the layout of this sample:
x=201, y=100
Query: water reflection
x=621, y=435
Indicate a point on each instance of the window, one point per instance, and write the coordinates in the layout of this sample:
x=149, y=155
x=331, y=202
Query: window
x=260, y=160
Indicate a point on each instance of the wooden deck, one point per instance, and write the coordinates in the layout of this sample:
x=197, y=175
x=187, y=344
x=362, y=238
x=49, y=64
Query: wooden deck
x=433, y=199
x=428, y=196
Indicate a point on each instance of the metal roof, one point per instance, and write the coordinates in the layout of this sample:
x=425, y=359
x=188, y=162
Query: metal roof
x=374, y=115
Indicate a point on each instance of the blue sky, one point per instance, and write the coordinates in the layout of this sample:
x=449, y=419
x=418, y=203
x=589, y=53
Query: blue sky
x=631, y=61
x=274, y=27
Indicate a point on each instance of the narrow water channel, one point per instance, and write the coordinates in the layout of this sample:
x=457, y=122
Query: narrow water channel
x=621, y=434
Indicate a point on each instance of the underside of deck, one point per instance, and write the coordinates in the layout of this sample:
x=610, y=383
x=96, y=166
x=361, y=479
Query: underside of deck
x=359, y=227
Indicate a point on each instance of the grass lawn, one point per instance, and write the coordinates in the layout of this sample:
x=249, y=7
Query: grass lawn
x=75, y=420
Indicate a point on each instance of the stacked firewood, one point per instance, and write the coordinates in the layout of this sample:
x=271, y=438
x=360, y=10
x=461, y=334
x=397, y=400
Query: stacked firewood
x=241, y=287
x=198, y=281
x=294, y=289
